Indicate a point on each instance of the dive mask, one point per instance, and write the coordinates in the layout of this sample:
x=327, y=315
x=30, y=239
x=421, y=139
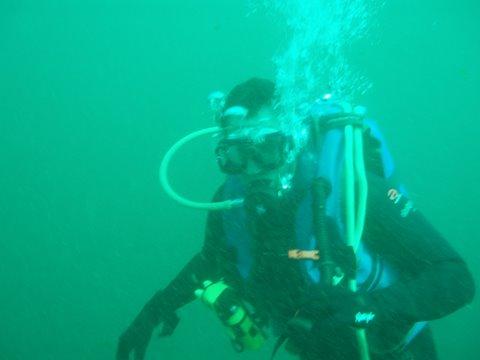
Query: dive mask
x=268, y=151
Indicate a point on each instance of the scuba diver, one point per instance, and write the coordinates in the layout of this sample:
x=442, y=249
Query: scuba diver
x=278, y=259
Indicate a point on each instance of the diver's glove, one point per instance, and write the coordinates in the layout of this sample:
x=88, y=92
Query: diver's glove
x=352, y=309
x=329, y=314
x=137, y=336
x=336, y=307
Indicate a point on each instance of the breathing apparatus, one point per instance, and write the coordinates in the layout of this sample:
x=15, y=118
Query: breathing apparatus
x=341, y=128
x=217, y=101
x=242, y=328
x=265, y=147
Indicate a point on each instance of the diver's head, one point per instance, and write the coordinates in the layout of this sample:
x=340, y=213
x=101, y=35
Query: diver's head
x=252, y=143
x=254, y=95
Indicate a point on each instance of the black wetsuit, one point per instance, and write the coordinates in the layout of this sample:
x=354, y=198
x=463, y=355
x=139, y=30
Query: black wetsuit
x=433, y=279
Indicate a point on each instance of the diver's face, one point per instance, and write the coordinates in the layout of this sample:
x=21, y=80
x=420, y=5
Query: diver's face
x=255, y=128
x=253, y=147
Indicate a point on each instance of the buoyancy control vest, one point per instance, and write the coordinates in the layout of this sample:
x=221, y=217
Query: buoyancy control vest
x=372, y=271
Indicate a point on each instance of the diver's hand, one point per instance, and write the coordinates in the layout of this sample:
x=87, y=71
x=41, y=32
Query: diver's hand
x=340, y=307
x=135, y=339
x=157, y=311
x=352, y=309
x=326, y=319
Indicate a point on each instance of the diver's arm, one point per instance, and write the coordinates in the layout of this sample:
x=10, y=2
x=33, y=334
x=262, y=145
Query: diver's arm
x=160, y=309
x=180, y=291
x=203, y=266
x=434, y=279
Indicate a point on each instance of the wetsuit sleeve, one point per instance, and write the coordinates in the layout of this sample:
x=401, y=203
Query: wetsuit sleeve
x=204, y=265
x=434, y=281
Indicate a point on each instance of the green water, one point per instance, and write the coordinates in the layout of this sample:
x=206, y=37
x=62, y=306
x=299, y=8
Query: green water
x=92, y=93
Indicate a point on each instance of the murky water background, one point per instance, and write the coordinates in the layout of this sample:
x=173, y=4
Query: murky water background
x=92, y=93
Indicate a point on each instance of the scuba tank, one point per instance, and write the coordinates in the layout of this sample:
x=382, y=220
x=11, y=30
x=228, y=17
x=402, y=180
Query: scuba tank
x=242, y=329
